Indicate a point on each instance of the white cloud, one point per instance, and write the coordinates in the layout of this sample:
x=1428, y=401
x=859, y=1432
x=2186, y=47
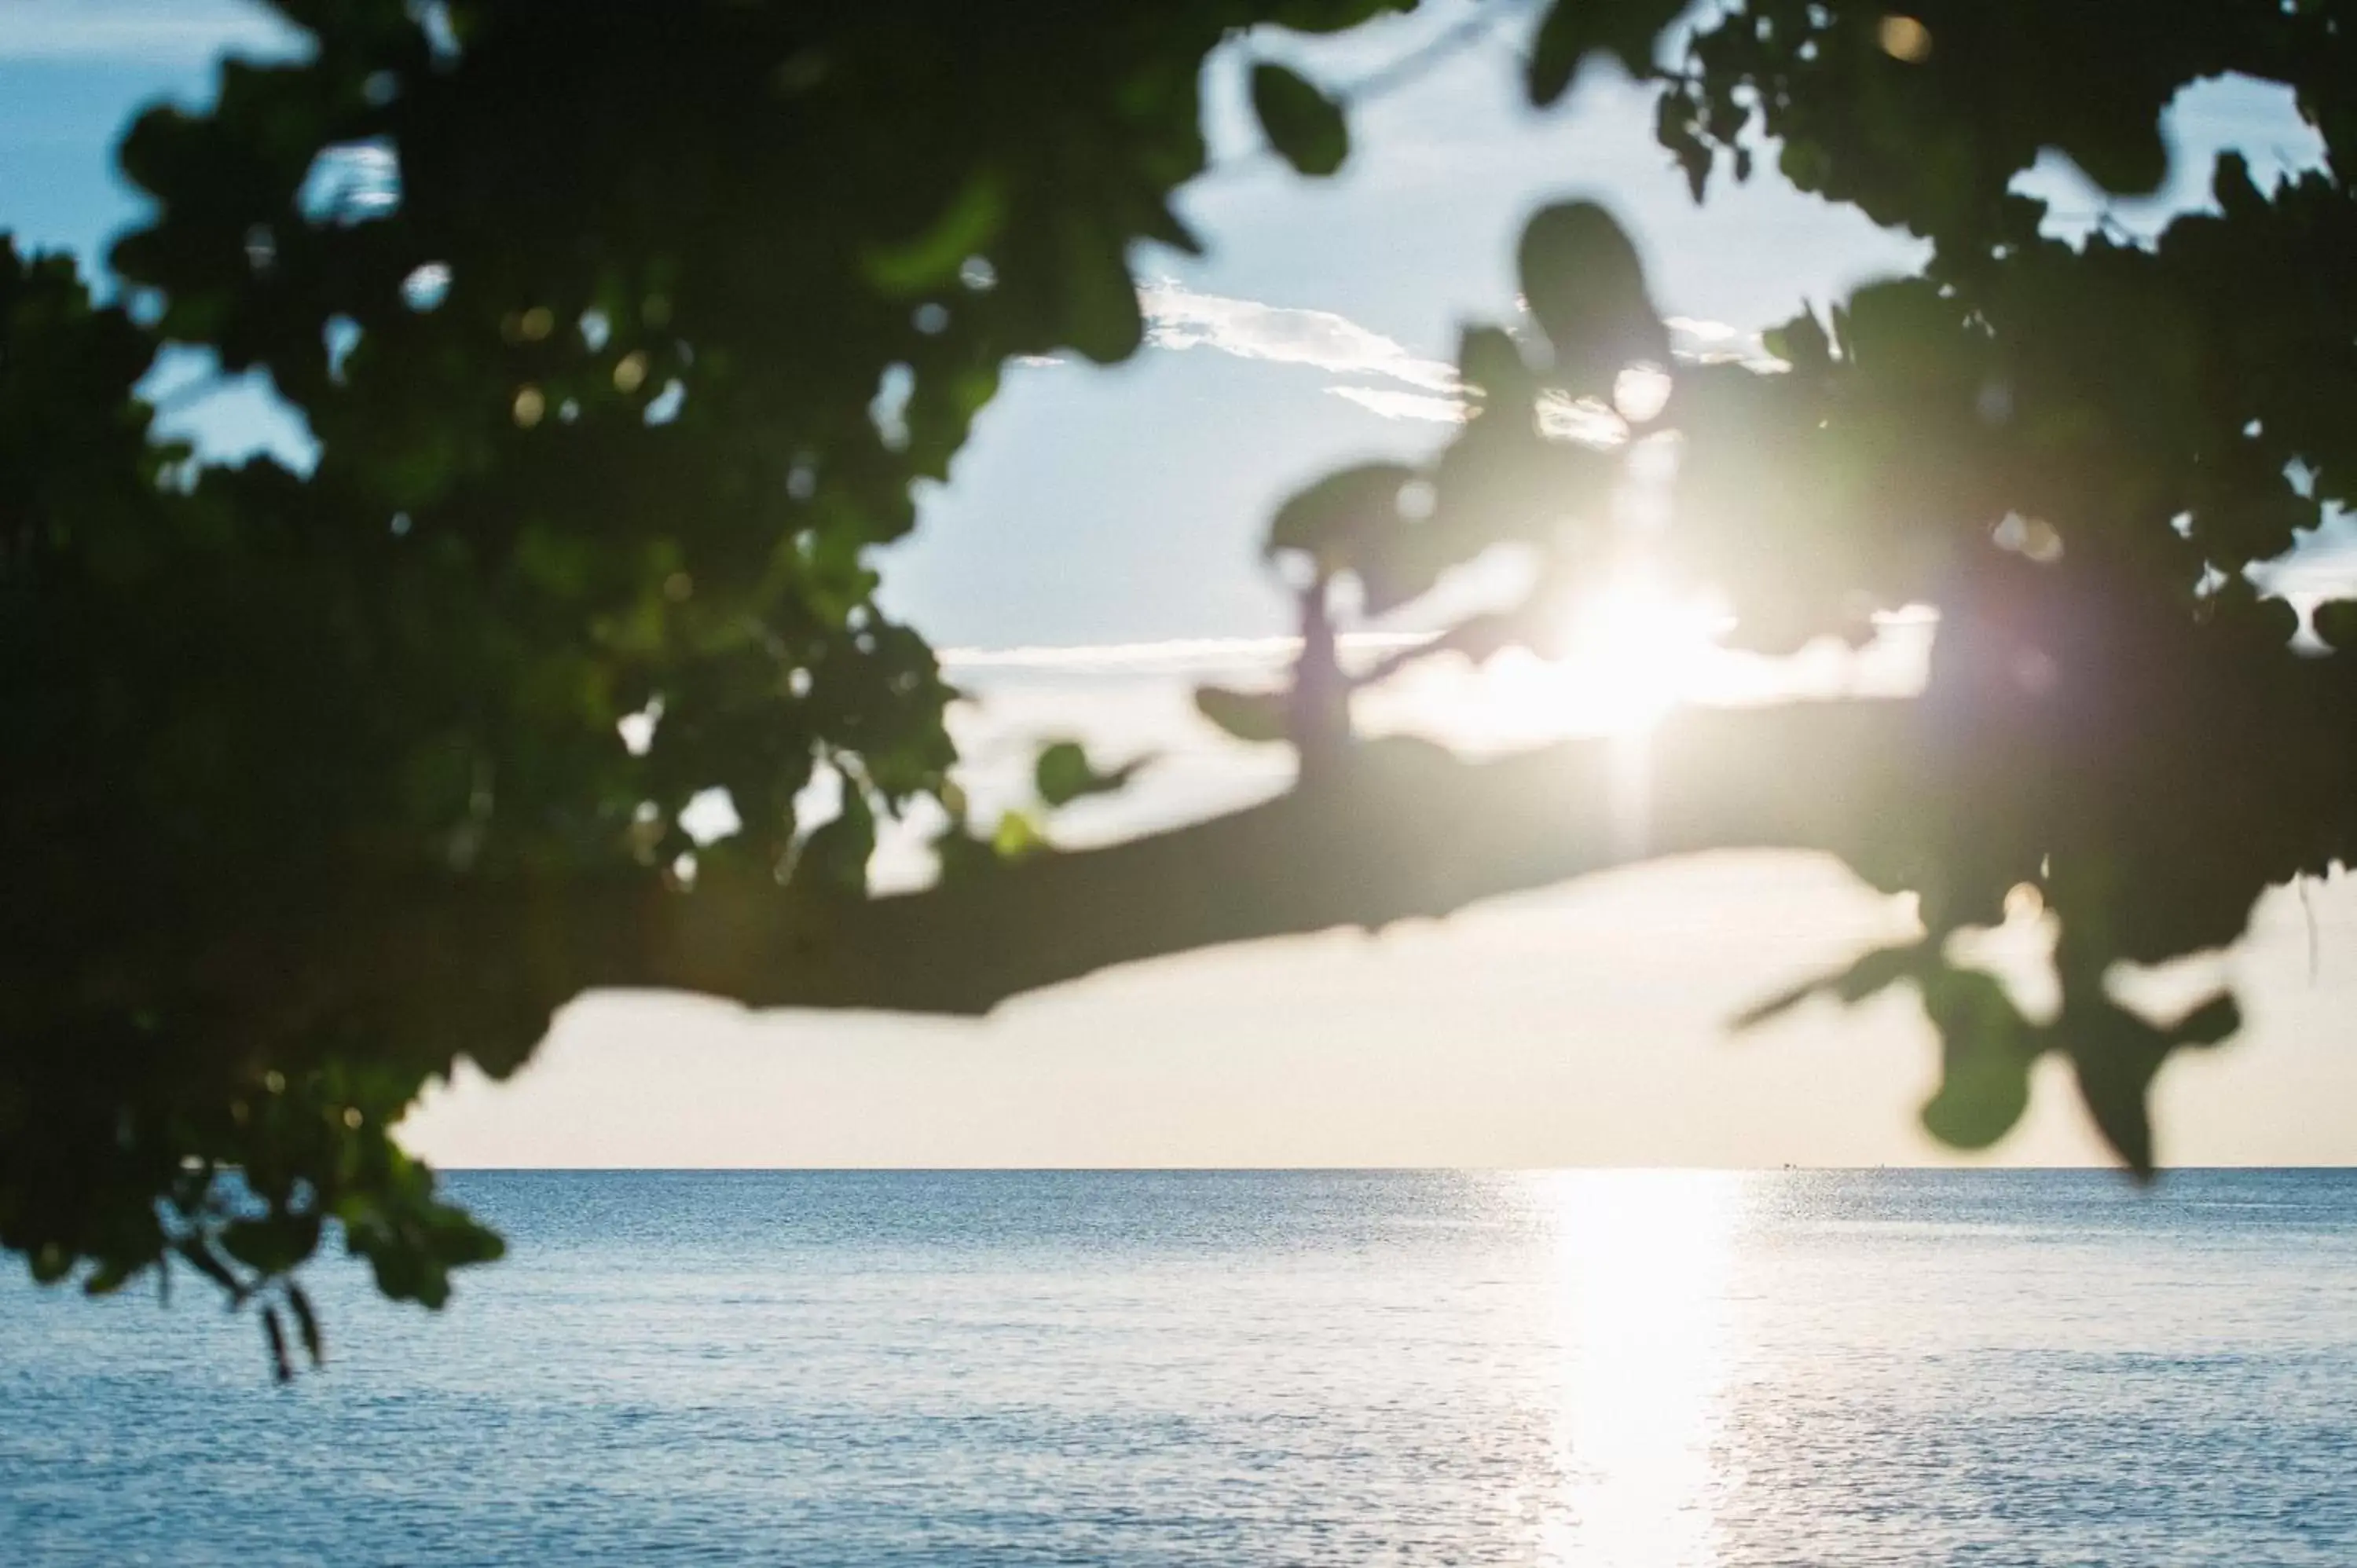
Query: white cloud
x=1393, y=405
x=1584, y=420
x=1701, y=342
x=1179, y=317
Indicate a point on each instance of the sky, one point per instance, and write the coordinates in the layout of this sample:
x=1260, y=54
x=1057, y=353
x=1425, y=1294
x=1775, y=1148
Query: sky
x=1095, y=551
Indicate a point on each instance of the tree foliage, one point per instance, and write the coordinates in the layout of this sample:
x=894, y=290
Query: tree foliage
x=624, y=333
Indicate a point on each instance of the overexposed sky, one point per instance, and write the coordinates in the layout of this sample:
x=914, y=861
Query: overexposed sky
x=1123, y=507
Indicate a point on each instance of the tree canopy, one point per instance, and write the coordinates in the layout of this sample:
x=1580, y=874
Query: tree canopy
x=624, y=331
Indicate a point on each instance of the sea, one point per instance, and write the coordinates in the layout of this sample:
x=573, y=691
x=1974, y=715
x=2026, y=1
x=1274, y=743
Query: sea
x=1592, y=1367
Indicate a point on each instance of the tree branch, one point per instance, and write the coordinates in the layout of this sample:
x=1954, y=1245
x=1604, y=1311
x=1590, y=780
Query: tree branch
x=1404, y=830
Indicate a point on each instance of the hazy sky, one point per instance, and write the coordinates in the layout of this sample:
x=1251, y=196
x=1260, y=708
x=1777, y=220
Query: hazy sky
x=1123, y=507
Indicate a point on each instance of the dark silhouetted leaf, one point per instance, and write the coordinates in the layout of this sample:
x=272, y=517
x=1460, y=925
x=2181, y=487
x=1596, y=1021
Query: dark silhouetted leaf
x=306, y=1325
x=1986, y=1049
x=1256, y=716
x=1064, y=774
x=1490, y=363
x=2115, y=1055
x=1332, y=519
x=200, y=1258
x=2335, y=621
x=835, y=854
x=1869, y=973
x=1801, y=343
x=1587, y=289
x=2210, y=1023
x=274, y=1334
x=931, y=260
x=1574, y=29
x=1101, y=313
x=272, y=1243
x=1303, y=124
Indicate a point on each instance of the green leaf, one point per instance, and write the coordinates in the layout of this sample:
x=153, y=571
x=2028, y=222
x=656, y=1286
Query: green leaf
x=2117, y=1053
x=1064, y=774
x=2335, y=621
x=1801, y=343
x=1587, y=288
x=306, y=1325
x=460, y=1239
x=1853, y=982
x=1987, y=1048
x=1256, y=716
x=273, y=1333
x=1900, y=327
x=1576, y=29
x=964, y=855
x=931, y=260
x=1489, y=360
x=2211, y=1023
x=1981, y=1096
x=2126, y=155
x=1677, y=125
x=1352, y=521
x=271, y=1244
x=2232, y=187
x=1165, y=227
x=1331, y=518
x=1303, y=124
x=1805, y=162
x=835, y=854
x=1016, y=837
x=1102, y=317
x=201, y=1258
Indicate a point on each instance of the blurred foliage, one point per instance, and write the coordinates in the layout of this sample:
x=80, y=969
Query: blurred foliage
x=624, y=331
x=2073, y=452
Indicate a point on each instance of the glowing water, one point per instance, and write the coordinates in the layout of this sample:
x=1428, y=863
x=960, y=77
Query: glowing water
x=1239, y=1368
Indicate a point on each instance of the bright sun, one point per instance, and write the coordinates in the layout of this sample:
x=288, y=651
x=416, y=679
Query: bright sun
x=1632, y=650
x=1637, y=651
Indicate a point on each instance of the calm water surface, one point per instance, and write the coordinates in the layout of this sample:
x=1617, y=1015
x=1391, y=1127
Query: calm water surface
x=1235, y=1368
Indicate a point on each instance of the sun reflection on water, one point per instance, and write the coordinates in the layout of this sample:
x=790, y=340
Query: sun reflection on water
x=1644, y=1265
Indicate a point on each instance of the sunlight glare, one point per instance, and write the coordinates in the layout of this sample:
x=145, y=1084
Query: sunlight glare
x=1640, y=393
x=1637, y=648
x=1645, y=1264
x=1630, y=652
